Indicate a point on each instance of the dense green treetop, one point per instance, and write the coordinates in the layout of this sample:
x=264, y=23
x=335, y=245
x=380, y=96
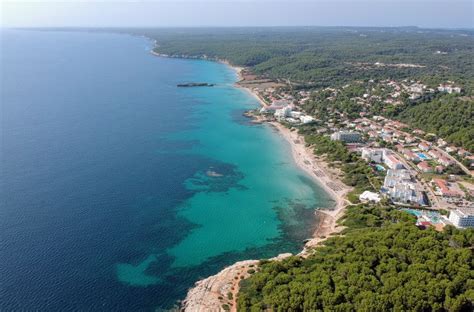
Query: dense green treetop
x=328, y=55
x=383, y=262
x=449, y=116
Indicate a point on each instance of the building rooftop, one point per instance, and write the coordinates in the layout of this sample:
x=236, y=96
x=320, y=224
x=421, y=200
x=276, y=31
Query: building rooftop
x=465, y=211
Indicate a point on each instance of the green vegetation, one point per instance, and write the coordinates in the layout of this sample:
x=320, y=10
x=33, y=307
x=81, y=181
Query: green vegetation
x=449, y=116
x=383, y=262
x=323, y=103
x=356, y=171
x=318, y=57
x=328, y=56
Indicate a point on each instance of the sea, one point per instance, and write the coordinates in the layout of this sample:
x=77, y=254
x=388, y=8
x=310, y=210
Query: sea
x=120, y=190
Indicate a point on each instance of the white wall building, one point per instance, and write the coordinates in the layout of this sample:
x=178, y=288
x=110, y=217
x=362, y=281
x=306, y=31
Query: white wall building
x=306, y=119
x=368, y=196
x=406, y=193
x=294, y=114
x=283, y=112
x=392, y=162
x=462, y=217
x=401, y=189
x=346, y=136
x=373, y=154
x=449, y=89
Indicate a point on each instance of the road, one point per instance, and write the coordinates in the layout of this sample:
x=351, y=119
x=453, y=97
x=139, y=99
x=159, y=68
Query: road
x=463, y=168
x=466, y=170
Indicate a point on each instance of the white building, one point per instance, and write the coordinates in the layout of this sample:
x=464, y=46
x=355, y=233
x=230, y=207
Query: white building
x=401, y=189
x=368, y=196
x=416, y=88
x=449, y=89
x=306, y=119
x=424, y=146
x=292, y=120
x=294, y=114
x=462, y=217
x=445, y=161
x=406, y=193
x=392, y=162
x=396, y=176
x=283, y=112
x=346, y=136
x=373, y=154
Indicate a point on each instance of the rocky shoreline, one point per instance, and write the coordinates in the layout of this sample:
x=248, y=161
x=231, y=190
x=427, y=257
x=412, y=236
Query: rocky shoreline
x=219, y=292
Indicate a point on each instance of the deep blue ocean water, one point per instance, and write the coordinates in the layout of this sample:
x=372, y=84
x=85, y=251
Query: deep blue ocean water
x=120, y=190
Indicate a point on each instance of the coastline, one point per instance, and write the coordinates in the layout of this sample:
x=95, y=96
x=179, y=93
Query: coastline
x=318, y=170
x=210, y=293
x=322, y=175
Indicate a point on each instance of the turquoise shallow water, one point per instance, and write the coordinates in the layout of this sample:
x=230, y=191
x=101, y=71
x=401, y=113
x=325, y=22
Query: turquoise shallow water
x=120, y=190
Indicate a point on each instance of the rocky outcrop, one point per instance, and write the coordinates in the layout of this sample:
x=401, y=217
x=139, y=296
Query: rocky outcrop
x=219, y=292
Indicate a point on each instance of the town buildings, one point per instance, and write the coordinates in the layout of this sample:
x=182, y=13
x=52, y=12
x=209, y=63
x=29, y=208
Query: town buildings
x=401, y=188
x=444, y=189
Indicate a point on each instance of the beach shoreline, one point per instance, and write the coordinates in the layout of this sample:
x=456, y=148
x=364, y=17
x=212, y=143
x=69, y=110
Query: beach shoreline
x=325, y=177
x=318, y=170
x=205, y=293
x=211, y=293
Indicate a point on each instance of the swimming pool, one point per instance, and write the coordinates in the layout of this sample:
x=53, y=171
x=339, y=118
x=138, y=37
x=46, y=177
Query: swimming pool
x=379, y=168
x=422, y=156
x=432, y=216
x=414, y=212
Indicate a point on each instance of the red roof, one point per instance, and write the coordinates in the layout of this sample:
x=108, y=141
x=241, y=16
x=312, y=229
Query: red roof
x=424, y=165
x=443, y=186
x=392, y=158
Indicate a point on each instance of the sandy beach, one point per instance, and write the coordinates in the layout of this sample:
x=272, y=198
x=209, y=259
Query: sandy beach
x=318, y=169
x=324, y=176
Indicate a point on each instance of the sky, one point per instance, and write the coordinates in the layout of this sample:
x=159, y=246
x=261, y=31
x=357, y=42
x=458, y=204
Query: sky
x=192, y=13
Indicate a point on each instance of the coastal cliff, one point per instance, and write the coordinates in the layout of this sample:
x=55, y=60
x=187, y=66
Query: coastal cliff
x=218, y=292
